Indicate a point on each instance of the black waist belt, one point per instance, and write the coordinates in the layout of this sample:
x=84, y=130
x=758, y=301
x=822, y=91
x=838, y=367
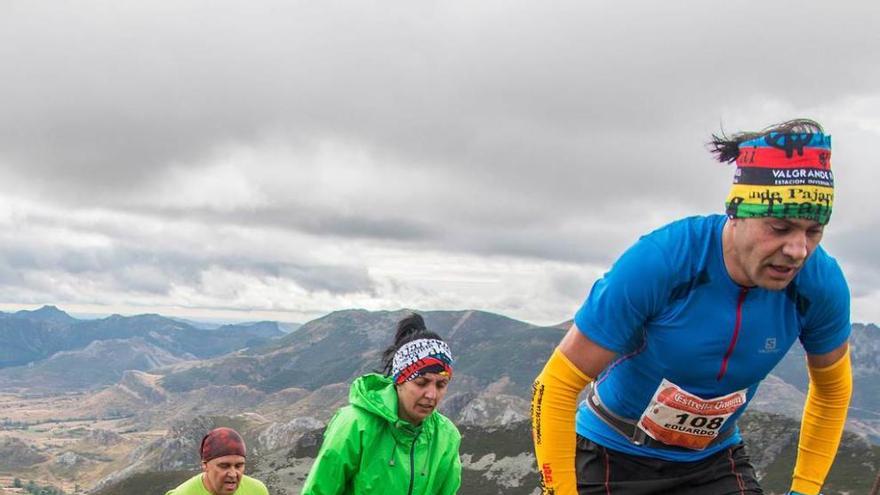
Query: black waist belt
x=630, y=428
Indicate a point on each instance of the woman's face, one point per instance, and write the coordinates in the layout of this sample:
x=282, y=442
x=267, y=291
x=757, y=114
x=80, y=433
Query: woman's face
x=417, y=398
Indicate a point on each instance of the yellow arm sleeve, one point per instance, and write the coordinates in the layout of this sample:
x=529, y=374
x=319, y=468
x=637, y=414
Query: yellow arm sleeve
x=822, y=425
x=554, y=404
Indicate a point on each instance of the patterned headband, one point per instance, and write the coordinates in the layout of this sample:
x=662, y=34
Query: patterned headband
x=221, y=442
x=421, y=356
x=783, y=175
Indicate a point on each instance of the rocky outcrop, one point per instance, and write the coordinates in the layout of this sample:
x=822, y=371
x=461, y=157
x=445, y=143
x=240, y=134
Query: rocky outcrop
x=279, y=435
x=495, y=410
x=507, y=473
x=69, y=459
x=865, y=344
x=778, y=397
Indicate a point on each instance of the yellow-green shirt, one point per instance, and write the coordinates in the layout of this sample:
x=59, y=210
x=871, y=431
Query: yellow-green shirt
x=194, y=486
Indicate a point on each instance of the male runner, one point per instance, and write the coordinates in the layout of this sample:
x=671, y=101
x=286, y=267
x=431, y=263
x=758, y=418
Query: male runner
x=674, y=340
x=223, y=458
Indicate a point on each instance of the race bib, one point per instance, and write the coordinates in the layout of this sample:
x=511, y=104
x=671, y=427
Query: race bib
x=678, y=418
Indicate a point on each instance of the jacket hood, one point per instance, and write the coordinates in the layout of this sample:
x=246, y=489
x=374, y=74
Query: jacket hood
x=375, y=393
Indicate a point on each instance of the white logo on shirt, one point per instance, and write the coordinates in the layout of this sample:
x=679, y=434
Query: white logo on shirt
x=769, y=346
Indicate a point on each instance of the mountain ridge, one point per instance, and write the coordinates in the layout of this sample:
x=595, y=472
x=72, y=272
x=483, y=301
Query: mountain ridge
x=280, y=388
x=33, y=338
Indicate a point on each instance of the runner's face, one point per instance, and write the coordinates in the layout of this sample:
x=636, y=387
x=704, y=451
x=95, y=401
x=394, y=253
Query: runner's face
x=769, y=252
x=223, y=474
x=417, y=398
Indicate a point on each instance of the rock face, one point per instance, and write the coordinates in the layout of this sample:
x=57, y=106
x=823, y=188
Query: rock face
x=492, y=411
x=511, y=472
x=278, y=436
x=865, y=341
x=179, y=448
x=68, y=459
x=779, y=397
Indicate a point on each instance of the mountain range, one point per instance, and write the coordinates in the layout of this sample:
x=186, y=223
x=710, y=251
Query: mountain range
x=124, y=399
x=42, y=346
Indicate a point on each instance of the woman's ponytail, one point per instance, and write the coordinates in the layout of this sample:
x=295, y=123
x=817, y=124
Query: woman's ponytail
x=409, y=328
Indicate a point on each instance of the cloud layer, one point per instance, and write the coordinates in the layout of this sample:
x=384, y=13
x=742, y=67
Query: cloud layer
x=290, y=158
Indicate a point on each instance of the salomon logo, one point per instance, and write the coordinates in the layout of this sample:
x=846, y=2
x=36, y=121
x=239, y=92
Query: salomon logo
x=769, y=346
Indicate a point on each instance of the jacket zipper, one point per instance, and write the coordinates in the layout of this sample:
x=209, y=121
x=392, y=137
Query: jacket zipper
x=739, y=304
x=412, y=464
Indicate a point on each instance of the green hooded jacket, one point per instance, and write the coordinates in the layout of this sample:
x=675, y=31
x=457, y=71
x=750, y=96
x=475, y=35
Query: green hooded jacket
x=369, y=450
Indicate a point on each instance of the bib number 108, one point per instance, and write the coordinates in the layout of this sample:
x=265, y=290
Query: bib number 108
x=700, y=421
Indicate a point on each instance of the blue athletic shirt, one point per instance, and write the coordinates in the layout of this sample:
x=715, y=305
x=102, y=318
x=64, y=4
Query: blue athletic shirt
x=668, y=308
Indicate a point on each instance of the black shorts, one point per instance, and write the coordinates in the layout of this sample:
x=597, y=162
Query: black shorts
x=609, y=472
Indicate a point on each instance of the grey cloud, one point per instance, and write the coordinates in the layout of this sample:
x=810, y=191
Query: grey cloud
x=332, y=279
x=569, y=284
x=335, y=279
x=111, y=268
x=153, y=272
x=111, y=100
x=583, y=246
x=366, y=224
x=481, y=227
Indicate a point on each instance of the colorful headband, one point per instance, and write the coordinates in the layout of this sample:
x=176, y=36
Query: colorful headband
x=783, y=175
x=220, y=442
x=421, y=356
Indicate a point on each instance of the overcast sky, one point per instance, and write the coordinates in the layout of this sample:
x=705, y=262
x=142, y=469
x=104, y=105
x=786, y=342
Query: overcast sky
x=282, y=159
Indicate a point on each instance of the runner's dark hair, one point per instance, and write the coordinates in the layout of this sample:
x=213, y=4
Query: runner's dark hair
x=726, y=148
x=409, y=328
